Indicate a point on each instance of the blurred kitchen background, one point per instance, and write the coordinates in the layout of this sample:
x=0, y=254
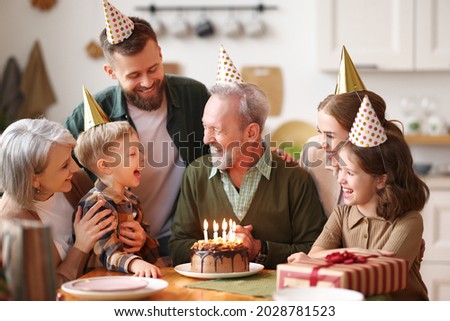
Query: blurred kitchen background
x=401, y=49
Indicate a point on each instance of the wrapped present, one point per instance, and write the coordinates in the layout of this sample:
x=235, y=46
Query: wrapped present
x=371, y=276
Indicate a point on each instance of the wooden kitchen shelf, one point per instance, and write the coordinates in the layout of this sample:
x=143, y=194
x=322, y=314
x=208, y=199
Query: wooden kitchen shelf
x=428, y=139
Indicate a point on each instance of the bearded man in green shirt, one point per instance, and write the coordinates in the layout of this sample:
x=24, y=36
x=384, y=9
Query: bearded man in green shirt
x=275, y=203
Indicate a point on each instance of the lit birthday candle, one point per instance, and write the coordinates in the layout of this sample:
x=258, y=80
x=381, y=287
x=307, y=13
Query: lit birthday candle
x=234, y=231
x=205, y=230
x=216, y=230
x=224, y=230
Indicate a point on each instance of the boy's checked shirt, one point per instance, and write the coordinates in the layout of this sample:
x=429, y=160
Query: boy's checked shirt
x=109, y=250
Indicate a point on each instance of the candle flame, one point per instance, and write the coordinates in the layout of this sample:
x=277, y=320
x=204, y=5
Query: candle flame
x=215, y=226
x=224, y=225
x=205, y=224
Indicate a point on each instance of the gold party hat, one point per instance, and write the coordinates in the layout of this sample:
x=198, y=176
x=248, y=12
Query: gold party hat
x=367, y=130
x=93, y=113
x=118, y=26
x=227, y=72
x=348, y=78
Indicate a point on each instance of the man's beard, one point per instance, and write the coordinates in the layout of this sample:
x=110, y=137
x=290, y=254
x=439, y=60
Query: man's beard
x=147, y=104
x=224, y=161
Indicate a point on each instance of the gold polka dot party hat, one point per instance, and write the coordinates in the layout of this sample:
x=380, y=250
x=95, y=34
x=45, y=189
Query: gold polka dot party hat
x=367, y=130
x=118, y=26
x=227, y=72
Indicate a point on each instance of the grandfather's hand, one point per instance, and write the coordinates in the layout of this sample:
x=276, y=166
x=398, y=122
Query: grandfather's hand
x=133, y=235
x=244, y=233
x=92, y=226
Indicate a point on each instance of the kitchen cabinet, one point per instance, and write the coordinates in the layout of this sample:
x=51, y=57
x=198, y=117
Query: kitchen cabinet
x=391, y=35
x=432, y=40
x=435, y=267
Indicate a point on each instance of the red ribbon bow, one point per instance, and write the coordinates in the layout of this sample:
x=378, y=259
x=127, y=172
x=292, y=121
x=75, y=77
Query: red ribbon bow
x=335, y=258
x=345, y=257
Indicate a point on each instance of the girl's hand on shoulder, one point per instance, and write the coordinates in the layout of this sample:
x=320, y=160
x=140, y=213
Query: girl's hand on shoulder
x=92, y=226
x=287, y=157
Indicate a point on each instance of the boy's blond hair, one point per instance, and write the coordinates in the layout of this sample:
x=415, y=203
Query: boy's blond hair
x=92, y=144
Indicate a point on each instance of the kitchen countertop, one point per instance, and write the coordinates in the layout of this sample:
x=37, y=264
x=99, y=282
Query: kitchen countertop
x=437, y=181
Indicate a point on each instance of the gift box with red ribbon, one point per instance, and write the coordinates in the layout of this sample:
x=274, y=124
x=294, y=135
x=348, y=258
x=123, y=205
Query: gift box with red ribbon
x=370, y=275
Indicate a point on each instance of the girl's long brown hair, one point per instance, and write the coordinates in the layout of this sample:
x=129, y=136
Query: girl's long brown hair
x=404, y=190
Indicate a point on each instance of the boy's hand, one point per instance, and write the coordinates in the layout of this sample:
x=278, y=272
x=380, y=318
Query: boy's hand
x=144, y=269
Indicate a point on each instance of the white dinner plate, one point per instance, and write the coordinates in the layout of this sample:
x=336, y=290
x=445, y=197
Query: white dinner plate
x=317, y=294
x=113, y=287
x=185, y=269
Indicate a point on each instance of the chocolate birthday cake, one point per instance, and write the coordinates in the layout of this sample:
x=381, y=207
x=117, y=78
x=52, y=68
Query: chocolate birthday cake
x=218, y=256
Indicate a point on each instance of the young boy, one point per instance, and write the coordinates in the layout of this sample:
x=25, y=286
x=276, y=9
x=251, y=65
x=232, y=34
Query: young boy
x=111, y=151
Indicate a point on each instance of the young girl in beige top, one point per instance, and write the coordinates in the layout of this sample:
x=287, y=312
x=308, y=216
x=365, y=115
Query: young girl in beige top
x=382, y=197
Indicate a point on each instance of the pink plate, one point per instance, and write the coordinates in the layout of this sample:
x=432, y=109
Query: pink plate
x=114, y=287
x=107, y=284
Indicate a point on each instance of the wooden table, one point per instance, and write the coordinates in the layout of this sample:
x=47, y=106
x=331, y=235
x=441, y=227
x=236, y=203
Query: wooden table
x=176, y=290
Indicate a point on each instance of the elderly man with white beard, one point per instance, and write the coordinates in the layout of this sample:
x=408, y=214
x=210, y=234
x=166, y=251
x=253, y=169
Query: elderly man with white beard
x=274, y=203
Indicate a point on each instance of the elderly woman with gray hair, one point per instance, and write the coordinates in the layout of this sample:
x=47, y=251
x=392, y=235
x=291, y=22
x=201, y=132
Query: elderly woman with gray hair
x=42, y=182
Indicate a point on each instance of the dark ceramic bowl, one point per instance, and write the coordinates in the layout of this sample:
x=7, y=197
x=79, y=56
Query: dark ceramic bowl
x=422, y=168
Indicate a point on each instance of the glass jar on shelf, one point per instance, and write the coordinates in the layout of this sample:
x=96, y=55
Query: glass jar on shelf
x=413, y=115
x=434, y=123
